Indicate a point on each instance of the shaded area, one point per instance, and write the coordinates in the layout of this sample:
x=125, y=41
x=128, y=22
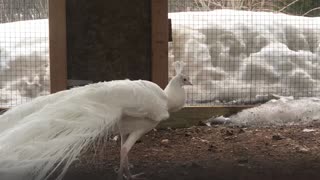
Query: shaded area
x=212, y=153
x=107, y=41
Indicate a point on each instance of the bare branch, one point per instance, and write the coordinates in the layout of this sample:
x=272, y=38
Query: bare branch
x=311, y=10
x=290, y=4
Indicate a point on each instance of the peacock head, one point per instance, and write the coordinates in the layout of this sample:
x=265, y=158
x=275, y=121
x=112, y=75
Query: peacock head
x=181, y=78
x=175, y=92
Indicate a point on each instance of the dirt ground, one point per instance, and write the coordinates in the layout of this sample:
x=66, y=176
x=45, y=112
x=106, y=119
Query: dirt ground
x=219, y=153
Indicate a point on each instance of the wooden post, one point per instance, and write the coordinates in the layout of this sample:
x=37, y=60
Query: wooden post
x=57, y=45
x=159, y=13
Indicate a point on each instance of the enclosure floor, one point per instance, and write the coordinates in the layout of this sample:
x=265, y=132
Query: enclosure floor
x=219, y=153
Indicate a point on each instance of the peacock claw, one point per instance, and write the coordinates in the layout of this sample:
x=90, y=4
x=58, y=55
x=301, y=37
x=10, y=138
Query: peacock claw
x=136, y=177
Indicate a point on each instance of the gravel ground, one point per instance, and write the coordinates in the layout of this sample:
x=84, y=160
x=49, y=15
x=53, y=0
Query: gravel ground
x=219, y=153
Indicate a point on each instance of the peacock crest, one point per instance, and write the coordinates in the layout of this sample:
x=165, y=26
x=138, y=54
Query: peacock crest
x=178, y=66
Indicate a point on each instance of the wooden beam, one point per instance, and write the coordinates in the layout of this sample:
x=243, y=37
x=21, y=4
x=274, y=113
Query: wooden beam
x=159, y=38
x=57, y=45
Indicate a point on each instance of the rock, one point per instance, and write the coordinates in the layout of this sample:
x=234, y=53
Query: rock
x=241, y=130
x=202, y=123
x=277, y=137
x=243, y=161
x=115, y=138
x=228, y=138
x=212, y=148
x=197, y=130
x=183, y=173
x=229, y=132
x=308, y=130
x=165, y=141
x=204, y=141
x=302, y=149
x=195, y=165
x=191, y=165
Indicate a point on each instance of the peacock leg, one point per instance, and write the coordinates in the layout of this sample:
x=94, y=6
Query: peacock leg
x=126, y=168
x=125, y=148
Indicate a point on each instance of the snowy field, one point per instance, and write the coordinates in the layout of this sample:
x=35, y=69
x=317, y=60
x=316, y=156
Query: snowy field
x=237, y=56
x=24, y=55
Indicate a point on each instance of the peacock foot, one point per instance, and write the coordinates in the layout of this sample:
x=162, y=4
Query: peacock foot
x=136, y=176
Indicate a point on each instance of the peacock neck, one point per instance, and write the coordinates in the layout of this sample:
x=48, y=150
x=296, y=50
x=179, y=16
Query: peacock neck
x=176, y=95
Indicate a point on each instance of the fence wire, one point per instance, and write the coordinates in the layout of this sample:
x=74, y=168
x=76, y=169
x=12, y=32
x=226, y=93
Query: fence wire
x=24, y=67
x=245, y=52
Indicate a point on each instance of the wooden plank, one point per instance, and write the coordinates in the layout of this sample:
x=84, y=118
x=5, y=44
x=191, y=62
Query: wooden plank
x=57, y=45
x=159, y=41
x=192, y=116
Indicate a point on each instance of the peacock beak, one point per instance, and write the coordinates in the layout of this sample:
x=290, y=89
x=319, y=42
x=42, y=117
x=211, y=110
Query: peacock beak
x=189, y=83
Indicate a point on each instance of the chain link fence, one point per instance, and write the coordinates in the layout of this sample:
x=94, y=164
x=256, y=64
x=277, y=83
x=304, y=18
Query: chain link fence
x=24, y=53
x=243, y=52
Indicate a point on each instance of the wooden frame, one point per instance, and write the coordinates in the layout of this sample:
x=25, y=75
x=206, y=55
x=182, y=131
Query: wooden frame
x=57, y=45
x=58, y=52
x=159, y=42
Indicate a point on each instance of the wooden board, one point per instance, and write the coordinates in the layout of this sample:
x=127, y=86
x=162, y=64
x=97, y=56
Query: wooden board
x=159, y=42
x=57, y=45
x=193, y=116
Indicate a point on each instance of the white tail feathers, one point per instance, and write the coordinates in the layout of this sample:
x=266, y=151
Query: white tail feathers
x=178, y=66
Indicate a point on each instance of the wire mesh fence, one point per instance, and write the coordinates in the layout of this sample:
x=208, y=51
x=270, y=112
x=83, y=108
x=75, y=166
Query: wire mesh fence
x=24, y=54
x=244, y=51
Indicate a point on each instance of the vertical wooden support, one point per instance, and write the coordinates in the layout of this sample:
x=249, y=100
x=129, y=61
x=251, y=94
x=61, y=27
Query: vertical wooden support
x=159, y=20
x=57, y=45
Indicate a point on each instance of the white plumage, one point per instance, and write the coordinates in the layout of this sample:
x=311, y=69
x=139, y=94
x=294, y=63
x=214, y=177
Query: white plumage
x=48, y=133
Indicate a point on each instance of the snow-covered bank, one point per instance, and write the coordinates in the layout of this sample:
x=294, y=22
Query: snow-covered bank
x=237, y=55
x=24, y=67
x=283, y=111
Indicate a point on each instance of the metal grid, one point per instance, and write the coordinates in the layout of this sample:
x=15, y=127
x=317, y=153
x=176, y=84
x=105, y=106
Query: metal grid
x=24, y=53
x=244, y=52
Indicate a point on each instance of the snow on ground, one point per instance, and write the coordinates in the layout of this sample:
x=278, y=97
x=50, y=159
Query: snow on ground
x=283, y=111
x=238, y=55
x=24, y=67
